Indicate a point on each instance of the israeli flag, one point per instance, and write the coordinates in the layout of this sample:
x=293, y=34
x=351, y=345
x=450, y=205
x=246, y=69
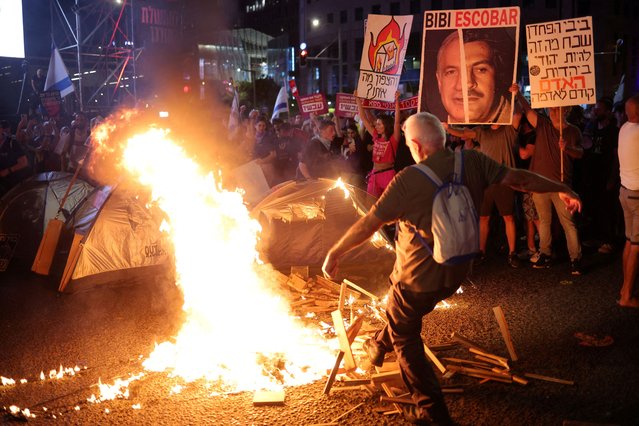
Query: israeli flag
x=58, y=76
x=234, y=117
x=281, y=103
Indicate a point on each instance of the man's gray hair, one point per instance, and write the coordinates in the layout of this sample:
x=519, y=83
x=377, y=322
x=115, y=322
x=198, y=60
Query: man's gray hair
x=429, y=129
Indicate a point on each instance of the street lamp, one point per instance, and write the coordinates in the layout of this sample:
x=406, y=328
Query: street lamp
x=315, y=22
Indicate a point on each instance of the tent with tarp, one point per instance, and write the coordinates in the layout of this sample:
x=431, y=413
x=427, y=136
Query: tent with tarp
x=116, y=237
x=26, y=210
x=301, y=221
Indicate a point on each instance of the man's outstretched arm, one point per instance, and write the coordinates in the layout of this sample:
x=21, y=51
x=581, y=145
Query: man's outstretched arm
x=361, y=231
x=526, y=181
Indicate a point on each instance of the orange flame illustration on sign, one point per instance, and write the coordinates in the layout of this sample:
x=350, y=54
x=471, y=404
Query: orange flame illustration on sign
x=384, y=56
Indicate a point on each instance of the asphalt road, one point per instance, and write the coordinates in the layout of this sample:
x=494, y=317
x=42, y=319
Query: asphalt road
x=108, y=331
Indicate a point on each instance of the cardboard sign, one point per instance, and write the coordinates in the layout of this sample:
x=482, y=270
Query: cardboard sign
x=469, y=61
x=345, y=105
x=52, y=102
x=561, y=63
x=313, y=103
x=385, y=42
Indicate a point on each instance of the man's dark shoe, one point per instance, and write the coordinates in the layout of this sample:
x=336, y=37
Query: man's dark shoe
x=575, y=267
x=513, y=260
x=420, y=416
x=543, y=262
x=374, y=352
x=416, y=415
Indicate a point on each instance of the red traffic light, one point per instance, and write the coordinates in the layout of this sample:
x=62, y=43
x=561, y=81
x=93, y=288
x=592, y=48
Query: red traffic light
x=303, y=55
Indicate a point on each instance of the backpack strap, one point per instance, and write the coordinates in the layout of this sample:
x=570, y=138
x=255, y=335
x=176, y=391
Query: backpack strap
x=429, y=173
x=459, y=167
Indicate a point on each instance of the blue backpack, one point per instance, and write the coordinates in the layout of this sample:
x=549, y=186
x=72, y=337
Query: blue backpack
x=455, y=224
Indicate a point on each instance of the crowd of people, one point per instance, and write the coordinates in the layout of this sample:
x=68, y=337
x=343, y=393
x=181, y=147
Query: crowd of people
x=529, y=172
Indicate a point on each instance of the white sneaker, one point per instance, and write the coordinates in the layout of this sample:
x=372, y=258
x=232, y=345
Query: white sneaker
x=535, y=257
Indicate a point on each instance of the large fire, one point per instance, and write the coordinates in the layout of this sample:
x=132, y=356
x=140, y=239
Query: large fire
x=237, y=328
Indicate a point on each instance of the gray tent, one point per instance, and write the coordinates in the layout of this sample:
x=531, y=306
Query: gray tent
x=302, y=220
x=26, y=210
x=116, y=238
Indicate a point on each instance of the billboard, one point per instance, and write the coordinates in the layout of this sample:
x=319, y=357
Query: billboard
x=11, y=29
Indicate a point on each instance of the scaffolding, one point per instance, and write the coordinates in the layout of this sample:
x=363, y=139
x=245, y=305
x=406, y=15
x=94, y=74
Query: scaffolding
x=97, y=41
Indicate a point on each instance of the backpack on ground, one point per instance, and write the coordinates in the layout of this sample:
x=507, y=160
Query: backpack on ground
x=455, y=224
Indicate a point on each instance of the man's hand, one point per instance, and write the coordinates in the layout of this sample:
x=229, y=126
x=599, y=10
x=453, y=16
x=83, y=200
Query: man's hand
x=329, y=268
x=445, y=125
x=514, y=88
x=571, y=200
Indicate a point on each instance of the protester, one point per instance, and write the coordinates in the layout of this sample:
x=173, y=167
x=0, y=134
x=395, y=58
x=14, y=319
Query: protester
x=321, y=156
x=629, y=197
x=547, y=155
x=287, y=147
x=418, y=282
x=386, y=133
x=600, y=174
x=498, y=143
x=14, y=165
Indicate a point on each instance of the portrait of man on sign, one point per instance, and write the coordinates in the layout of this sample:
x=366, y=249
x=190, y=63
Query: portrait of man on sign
x=466, y=80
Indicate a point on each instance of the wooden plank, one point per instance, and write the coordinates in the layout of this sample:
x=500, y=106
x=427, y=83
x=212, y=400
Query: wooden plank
x=342, y=297
x=443, y=346
x=390, y=393
x=396, y=400
x=265, y=397
x=378, y=378
x=344, y=345
x=478, y=372
x=297, y=282
x=467, y=361
x=520, y=380
x=356, y=382
x=302, y=271
x=434, y=359
x=361, y=290
x=353, y=330
x=500, y=359
x=347, y=388
x=505, y=332
x=493, y=361
x=347, y=412
x=466, y=342
x=331, y=377
x=548, y=379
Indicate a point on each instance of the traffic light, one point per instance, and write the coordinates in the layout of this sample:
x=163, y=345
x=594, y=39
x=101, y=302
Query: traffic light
x=303, y=57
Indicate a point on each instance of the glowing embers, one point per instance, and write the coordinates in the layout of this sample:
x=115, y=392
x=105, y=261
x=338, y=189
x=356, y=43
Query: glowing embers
x=238, y=329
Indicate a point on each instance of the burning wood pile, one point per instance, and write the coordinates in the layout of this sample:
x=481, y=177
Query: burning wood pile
x=459, y=361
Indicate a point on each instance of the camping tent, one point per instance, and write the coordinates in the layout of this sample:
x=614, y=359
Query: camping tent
x=116, y=238
x=301, y=220
x=26, y=210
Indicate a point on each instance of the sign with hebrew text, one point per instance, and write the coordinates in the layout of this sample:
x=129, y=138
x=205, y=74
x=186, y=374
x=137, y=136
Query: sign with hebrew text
x=561, y=63
x=385, y=43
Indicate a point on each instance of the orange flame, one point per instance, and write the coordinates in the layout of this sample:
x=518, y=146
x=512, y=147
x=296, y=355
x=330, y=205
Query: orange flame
x=237, y=327
x=383, y=56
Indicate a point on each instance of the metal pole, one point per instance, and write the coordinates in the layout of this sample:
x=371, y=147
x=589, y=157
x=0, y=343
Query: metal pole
x=133, y=47
x=78, y=37
x=339, y=59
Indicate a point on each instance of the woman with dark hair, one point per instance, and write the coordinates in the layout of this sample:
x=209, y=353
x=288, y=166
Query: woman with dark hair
x=386, y=133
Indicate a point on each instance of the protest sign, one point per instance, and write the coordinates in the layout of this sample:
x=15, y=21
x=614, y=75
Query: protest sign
x=383, y=56
x=345, y=105
x=469, y=61
x=51, y=101
x=313, y=103
x=561, y=63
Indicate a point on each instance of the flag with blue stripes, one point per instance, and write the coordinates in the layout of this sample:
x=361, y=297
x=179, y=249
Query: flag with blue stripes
x=281, y=103
x=58, y=76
